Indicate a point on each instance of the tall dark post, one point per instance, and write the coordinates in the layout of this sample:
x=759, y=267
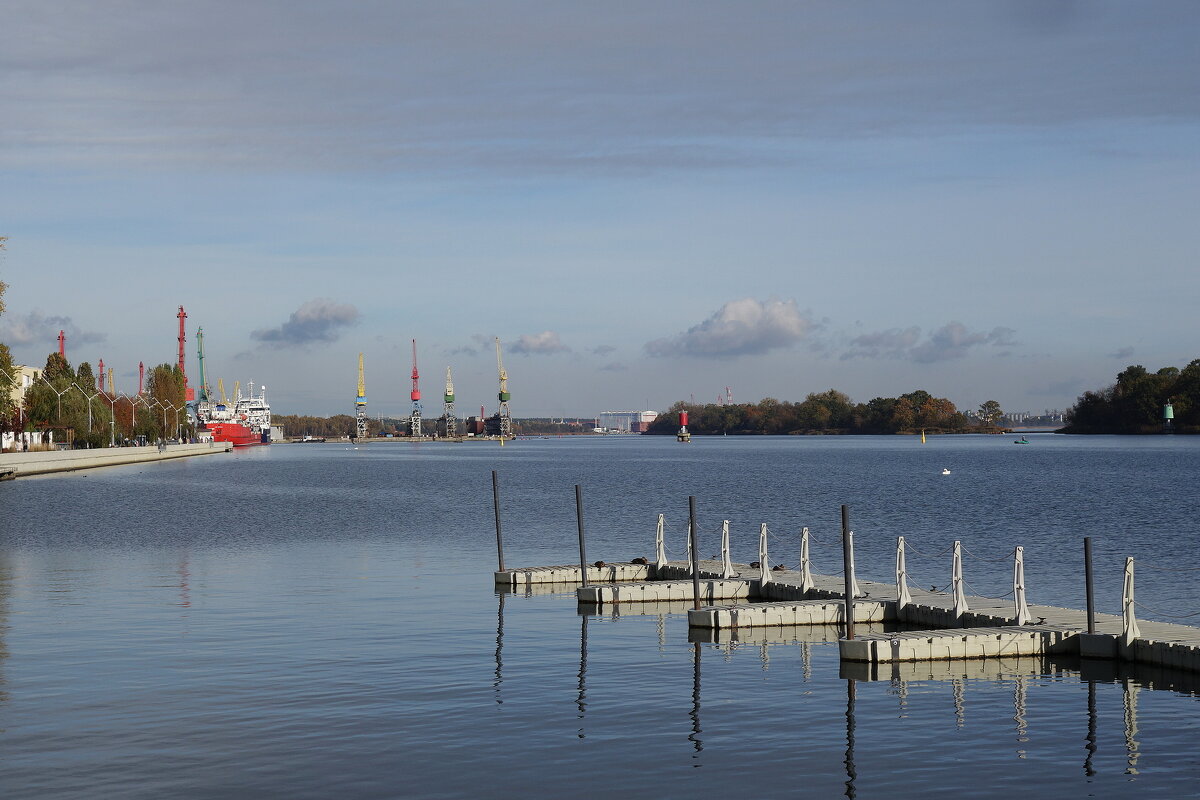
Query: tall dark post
x=695, y=552
x=496, y=505
x=582, y=549
x=848, y=572
x=1087, y=578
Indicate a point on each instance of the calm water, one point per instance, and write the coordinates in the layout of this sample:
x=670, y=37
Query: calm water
x=318, y=621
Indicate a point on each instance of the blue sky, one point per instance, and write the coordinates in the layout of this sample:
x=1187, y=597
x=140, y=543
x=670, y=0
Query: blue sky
x=646, y=201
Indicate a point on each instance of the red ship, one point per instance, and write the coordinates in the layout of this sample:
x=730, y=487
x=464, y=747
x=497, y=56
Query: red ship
x=238, y=434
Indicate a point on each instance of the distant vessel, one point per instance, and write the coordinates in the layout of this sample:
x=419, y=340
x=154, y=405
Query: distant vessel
x=245, y=422
x=945, y=471
x=1022, y=440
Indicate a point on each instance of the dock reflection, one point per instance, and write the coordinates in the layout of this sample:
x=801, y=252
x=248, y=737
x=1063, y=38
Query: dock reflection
x=958, y=679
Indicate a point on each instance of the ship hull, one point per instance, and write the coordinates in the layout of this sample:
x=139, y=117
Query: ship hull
x=236, y=434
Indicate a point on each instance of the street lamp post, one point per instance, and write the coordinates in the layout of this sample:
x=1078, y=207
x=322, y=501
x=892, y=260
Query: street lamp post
x=58, y=416
x=90, y=398
x=112, y=402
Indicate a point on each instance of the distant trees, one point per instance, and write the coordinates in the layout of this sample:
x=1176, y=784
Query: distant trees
x=821, y=412
x=1134, y=404
x=990, y=412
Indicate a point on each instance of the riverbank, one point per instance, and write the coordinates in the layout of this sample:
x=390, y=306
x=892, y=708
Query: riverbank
x=17, y=465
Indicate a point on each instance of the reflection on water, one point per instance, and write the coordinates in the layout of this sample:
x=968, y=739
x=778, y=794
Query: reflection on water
x=313, y=632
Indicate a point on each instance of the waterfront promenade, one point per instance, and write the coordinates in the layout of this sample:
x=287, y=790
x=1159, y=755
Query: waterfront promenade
x=18, y=465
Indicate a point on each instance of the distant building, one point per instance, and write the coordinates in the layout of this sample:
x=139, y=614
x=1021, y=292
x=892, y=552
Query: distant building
x=627, y=421
x=23, y=378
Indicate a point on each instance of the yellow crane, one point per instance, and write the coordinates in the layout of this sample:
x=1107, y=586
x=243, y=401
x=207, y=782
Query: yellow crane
x=360, y=404
x=504, y=413
x=221, y=389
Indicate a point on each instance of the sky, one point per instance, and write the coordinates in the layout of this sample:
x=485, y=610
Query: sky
x=646, y=201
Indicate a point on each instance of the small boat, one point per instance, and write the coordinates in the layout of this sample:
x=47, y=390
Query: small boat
x=1022, y=440
x=945, y=471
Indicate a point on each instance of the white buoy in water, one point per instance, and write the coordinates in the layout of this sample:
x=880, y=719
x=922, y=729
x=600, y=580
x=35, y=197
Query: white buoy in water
x=945, y=471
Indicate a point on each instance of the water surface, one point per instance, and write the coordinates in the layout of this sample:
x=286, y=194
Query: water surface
x=316, y=620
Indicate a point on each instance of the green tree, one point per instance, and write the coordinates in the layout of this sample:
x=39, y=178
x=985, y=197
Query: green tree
x=990, y=412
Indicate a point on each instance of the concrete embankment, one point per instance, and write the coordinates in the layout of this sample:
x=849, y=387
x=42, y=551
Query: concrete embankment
x=17, y=465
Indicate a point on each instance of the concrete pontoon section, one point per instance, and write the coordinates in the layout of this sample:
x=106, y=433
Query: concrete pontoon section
x=963, y=643
x=572, y=574
x=663, y=591
x=804, y=612
x=43, y=463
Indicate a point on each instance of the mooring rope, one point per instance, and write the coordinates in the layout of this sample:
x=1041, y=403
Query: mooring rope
x=1007, y=556
x=1164, y=613
x=908, y=548
x=1144, y=565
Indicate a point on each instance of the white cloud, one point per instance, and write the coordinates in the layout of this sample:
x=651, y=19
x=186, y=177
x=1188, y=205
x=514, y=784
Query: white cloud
x=740, y=327
x=542, y=343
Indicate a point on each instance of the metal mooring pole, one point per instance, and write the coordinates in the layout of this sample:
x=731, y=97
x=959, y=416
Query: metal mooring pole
x=1087, y=578
x=695, y=552
x=579, y=516
x=848, y=571
x=496, y=506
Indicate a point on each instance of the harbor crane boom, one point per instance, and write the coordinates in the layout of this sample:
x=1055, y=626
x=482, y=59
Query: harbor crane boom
x=504, y=412
x=360, y=404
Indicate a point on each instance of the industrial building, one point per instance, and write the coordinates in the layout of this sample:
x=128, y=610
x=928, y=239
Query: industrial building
x=627, y=421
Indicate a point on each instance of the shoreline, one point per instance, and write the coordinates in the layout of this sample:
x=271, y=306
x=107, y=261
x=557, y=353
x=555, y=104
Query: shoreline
x=18, y=465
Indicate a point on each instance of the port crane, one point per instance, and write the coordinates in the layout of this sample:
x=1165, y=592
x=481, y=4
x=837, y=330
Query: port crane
x=451, y=424
x=504, y=413
x=414, y=422
x=204, y=394
x=360, y=404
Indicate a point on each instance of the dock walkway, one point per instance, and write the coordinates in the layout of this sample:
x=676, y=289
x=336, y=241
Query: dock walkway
x=19, y=465
x=988, y=629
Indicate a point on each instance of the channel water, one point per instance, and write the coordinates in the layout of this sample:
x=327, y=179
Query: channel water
x=320, y=620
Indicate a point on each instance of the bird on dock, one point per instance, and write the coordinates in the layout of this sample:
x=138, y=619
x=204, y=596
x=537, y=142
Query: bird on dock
x=779, y=568
x=639, y=560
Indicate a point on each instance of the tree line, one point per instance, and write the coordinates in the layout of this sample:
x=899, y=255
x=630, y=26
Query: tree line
x=829, y=412
x=67, y=400
x=1136, y=402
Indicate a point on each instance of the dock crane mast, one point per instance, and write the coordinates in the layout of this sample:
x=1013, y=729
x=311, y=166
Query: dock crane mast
x=414, y=422
x=451, y=424
x=360, y=404
x=204, y=394
x=504, y=412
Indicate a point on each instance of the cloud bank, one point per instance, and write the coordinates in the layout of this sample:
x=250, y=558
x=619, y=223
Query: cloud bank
x=952, y=340
x=738, y=328
x=320, y=320
x=33, y=328
x=543, y=343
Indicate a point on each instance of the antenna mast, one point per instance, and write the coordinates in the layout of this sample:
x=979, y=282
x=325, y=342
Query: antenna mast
x=414, y=422
x=360, y=404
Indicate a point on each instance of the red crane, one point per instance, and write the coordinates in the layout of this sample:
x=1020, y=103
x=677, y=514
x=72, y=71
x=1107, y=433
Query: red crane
x=416, y=377
x=188, y=393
